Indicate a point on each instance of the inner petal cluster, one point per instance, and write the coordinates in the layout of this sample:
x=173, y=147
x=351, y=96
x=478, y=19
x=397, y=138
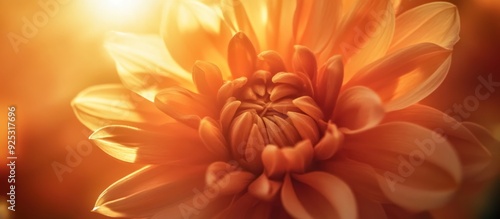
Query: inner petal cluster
x=267, y=109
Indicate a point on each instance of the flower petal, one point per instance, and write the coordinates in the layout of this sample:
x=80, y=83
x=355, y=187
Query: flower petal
x=328, y=83
x=251, y=207
x=375, y=36
x=318, y=195
x=436, y=22
x=241, y=56
x=359, y=108
x=144, y=64
x=144, y=192
x=194, y=31
x=227, y=179
x=211, y=135
x=264, y=188
x=412, y=173
x=275, y=163
x=103, y=105
x=304, y=61
x=474, y=157
x=407, y=76
x=184, y=105
x=329, y=144
x=171, y=143
x=315, y=22
x=207, y=78
x=366, y=28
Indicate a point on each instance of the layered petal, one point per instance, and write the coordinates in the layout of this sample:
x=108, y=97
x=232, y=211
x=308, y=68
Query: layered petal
x=317, y=195
x=144, y=65
x=407, y=76
x=194, y=31
x=184, y=105
x=436, y=22
x=172, y=143
x=207, y=77
x=372, y=39
x=328, y=83
x=227, y=179
x=474, y=156
x=262, y=21
x=407, y=170
x=359, y=108
x=365, y=31
x=112, y=104
x=315, y=22
x=148, y=190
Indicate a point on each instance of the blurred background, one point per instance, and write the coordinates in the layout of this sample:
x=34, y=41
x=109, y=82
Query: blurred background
x=43, y=73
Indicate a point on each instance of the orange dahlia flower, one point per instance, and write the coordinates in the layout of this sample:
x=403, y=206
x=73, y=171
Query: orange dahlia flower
x=284, y=109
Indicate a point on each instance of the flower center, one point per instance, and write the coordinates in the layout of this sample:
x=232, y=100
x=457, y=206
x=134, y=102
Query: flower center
x=267, y=109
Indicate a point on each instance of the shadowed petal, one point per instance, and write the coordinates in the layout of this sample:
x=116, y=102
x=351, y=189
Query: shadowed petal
x=304, y=61
x=436, y=22
x=144, y=192
x=318, y=195
x=144, y=64
x=194, y=31
x=103, y=105
x=328, y=82
x=329, y=144
x=184, y=105
x=251, y=207
x=211, y=135
x=171, y=143
x=411, y=173
x=474, y=157
x=226, y=179
x=264, y=188
x=407, y=76
x=358, y=109
x=241, y=56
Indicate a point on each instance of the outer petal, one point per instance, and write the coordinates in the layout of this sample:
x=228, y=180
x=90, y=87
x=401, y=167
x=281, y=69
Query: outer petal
x=144, y=64
x=411, y=173
x=474, y=157
x=436, y=22
x=407, y=76
x=268, y=22
x=176, y=143
x=318, y=195
x=372, y=39
x=359, y=108
x=103, y=105
x=365, y=31
x=144, y=192
x=194, y=31
x=315, y=22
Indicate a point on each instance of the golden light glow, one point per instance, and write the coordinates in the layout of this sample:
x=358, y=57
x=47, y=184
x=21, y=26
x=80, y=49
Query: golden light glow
x=119, y=11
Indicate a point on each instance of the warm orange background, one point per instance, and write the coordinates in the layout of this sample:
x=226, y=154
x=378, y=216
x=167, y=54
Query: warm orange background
x=66, y=56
